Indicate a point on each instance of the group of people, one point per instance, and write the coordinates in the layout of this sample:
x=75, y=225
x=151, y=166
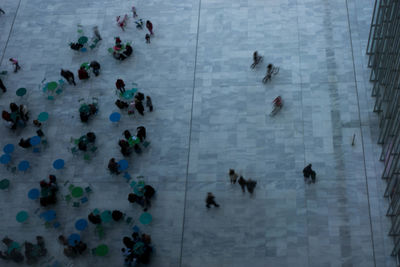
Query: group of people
x=129, y=142
x=87, y=110
x=48, y=191
x=136, y=104
x=18, y=115
x=137, y=249
x=86, y=140
x=72, y=251
x=32, y=251
x=250, y=184
x=116, y=215
x=121, y=53
x=143, y=199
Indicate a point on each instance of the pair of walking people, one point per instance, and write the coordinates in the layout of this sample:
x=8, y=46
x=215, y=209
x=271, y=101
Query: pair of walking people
x=249, y=183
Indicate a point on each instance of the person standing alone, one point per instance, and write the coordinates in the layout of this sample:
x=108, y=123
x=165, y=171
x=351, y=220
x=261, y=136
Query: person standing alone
x=210, y=200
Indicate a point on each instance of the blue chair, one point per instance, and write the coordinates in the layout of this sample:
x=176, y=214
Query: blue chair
x=23, y=165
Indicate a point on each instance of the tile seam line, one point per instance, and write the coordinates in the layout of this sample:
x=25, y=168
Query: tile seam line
x=361, y=131
x=190, y=133
x=9, y=34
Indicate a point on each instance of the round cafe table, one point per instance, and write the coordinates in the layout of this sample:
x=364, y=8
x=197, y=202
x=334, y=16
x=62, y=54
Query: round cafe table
x=5, y=159
x=101, y=250
x=8, y=149
x=23, y=165
x=51, y=86
x=58, y=164
x=81, y=224
x=133, y=140
x=77, y=192
x=43, y=116
x=22, y=216
x=115, y=117
x=33, y=194
x=145, y=218
x=21, y=92
x=106, y=216
x=123, y=165
x=82, y=40
x=35, y=140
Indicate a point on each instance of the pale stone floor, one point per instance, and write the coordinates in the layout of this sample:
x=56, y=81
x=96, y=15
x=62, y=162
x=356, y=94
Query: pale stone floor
x=211, y=114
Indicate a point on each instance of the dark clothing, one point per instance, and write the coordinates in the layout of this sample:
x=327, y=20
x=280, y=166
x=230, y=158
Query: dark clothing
x=307, y=171
x=141, y=133
x=149, y=26
x=25, y=143
x=121, y=104
x=139, y=107
x=149, y=103
x=147, y=37
x=116, y=215
x=95, y=219
x=148, y=191
x=113, y=166
x=210, y=200
x=251, y=185
x=313, y=176
x=69, y=76
x=128, y=50
x=120, y=85
x=91, y=137
x=242, y=183
x=95, y=67
x=83, y=74
x=2, y=86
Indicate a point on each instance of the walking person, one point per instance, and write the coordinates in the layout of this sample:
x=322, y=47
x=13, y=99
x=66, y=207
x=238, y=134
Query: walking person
x=307, y=172
x=149, y=103
x=149, y=26
x=14, y=61
x=210, y=200
x=120, y=85
x=147, y=37
x=233, y=176
x=2, y=86
x=242, y=183
x=2, y=11
x=251, y=184
x=69, y=76
x=134, y=12
x=96, y=32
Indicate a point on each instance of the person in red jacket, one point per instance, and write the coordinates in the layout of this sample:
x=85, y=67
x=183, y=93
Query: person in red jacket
x=149, y=26
x=83, y=74
x=120, y=85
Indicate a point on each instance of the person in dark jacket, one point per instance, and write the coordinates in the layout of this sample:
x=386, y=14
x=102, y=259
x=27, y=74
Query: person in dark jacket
x=242, y=183
x=95, y=67
x=69, y=76
x=120, y=85
x=83, y=74
x=141, y=133
x=210, y=200
x=2, y=86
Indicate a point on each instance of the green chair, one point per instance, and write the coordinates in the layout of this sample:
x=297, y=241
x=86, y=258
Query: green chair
x=50, y=97
x=70, y=187
x=86, y=157
x=93, y=149
x=129, y=220
x=4, y=184
x=59, y=91
x=96, y=212
x=88, y=190
x=146, y=144
x=68, y=198
x=100, y=231
x=76, y=204
x=74, y=150
x=110, y=50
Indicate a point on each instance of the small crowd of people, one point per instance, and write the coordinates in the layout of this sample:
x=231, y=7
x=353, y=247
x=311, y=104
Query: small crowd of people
x=32, y=251
x=121, y=53
x=86, y=140
x=116, y=215
x=144, y=201
x=72, y=251
x=48, y=191
x=137, y=249
x=87, y=110
x=127, y=144
x=250, y=184
x=18, y=115
x=137, y=104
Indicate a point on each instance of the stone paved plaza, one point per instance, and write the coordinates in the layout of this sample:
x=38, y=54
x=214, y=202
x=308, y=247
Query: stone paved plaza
x=211, y=114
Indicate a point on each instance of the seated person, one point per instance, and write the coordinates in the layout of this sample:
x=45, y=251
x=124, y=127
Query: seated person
x=141, y=133
x=117, y=215
x=113, y=166
x=125, y=149
x=25, y=143
x=95, y=219
x=95, y=67
x=83, y=74
x=82, y=145
x=84, y=116
x=121, y=104
x=128, y=50
x=91, y=137
x=75, y=46
x=127, y=134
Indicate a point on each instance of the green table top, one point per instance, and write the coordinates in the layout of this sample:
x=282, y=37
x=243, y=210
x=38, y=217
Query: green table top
x=86, y=65
x=22, y=216
x=145, y=218
x=43, y=116
x=77, y=192
x=84, y=108
x=106, y=216
x=4, y=184
x=101, y=250
x=133, y=140
x=51, y=86
x=21, y=91
x=83, y=40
